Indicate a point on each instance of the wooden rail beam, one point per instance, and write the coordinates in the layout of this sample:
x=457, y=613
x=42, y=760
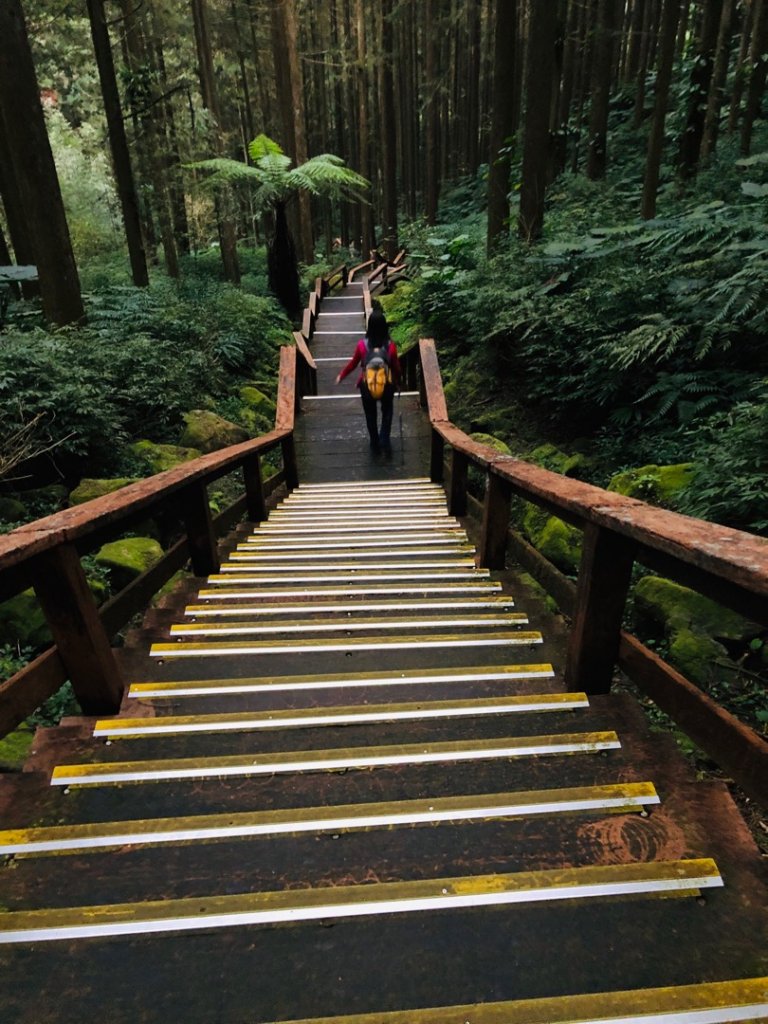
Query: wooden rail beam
x=604, y=578
x=82, y=642
x=195, y=512
x=496, y=509
x=436, y=458
x=457, y=496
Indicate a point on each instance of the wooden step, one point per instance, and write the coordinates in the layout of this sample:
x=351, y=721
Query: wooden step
x=682, y=877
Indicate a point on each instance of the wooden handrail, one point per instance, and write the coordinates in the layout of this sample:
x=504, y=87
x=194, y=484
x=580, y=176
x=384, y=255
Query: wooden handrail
x=46, y=554
x=727, y=565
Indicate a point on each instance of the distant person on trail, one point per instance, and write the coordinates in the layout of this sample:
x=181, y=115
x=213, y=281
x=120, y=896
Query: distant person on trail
x=376, y=354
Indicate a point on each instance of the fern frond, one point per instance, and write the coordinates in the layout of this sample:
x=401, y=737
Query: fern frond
x=263, y=146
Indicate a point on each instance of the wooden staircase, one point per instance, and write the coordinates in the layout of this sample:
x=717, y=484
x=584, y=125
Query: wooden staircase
x=346, y=785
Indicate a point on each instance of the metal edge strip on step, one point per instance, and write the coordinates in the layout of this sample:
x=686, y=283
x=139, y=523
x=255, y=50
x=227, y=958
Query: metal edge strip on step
x=348, y=607
x=444, y=563
x=383, y=504
x=718, y=1002
x=346, y=624
x=417, y=484
x=62, y=839
x=336, y=535
x=377, y=899
x=239, y=578
x=115, y=773
x=259, y=545
x=181, y=649
x=253, y=556
x=310, y=717
x=301, y=684
x=224, y=593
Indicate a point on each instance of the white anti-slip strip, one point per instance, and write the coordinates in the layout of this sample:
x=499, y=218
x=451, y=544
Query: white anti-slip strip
x=356, y=395
x=348, y=608
x=184, y=689
x=344, y=625
x=226, y=594
x=253, y=566
x=353, y=577
x=157, y=726
x=254, y=545
x=204, y=828
x=242, y=910
x=355, y=333
x=63, y=776
x=361, y=314
x=276, y=552
x=208, y=650
x=328, y=359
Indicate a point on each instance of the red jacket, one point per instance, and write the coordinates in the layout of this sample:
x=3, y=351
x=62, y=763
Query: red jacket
x=359, y=355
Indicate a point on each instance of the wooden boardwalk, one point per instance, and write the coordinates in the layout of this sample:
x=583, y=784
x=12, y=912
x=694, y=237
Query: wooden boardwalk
x=347, y=781
x=331, y=438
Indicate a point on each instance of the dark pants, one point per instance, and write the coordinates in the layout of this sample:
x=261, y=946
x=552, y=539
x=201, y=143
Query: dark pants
x=379, y=437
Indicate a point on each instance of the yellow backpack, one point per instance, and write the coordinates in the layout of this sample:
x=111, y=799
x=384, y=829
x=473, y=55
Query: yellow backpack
x=377, y=372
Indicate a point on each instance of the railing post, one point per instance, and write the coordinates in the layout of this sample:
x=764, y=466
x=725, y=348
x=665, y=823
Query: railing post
x=493, y=541
x=254, y=489
x=83, y=645
x=457, y=497
x=344, y=275
x=289, y=463
x=604, y=578
x=196, y=514
x=436, y=458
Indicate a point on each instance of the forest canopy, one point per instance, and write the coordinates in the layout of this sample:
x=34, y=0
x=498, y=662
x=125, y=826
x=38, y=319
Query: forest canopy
x=581, y=186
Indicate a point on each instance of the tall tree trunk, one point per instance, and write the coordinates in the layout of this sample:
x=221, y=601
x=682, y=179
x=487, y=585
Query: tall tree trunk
x=701, y=76
x=643, y=63
x=542, y=28
x=171, y=145
x=717, y=85
x=502, y=119
x=388, y=137
x=35, y=171
x=601, y=87
x=587, y=46
x=634, y=43
x=431, y=113
x=739, y=74
x=367, y=240
x=682, y=32
x=118, y=143
x=668, y=37
x=18, y=227
x=758, y=59
x=208, y=91
x=145, y=106
x=12, y=286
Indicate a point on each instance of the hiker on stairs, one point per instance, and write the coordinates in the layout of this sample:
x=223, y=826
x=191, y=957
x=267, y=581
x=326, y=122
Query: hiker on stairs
x=376, y=353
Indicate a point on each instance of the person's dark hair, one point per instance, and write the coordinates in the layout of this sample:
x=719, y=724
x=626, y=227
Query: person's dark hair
x=378, y=330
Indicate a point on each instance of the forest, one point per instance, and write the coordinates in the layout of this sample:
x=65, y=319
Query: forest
x=581, y=188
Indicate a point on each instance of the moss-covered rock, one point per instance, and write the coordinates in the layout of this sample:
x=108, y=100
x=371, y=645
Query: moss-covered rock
x=493, y=442
x=22, y=621
x=549, y=456
x=208, y=432
x=659, y=485
x=14, y=748
x=253, y=398
x=556, y=540
x=159, y=457
x=12, y=510
x=128, y=558
x=89, y=489
x=693, y=623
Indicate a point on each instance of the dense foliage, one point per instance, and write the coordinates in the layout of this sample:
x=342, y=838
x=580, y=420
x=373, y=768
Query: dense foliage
x=636, y=341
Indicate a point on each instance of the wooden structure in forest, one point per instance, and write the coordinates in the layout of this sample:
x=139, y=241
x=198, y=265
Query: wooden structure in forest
x=510, y=821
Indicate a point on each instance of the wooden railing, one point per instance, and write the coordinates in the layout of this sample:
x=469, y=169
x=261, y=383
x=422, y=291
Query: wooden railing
x=729, y=566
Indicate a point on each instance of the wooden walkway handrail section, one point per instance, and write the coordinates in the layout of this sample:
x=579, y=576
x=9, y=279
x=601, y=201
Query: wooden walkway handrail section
x=726, y=565
x=46, y=555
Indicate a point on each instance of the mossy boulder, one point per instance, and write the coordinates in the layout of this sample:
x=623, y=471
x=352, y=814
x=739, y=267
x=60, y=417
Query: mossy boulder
x=128, y=558
x=693, y=624
x=253, y=398
x=659, y=485
x=22, y=621
x=209, y=432
x=159, y=457
x=556, y=540
x=12, y=510
x=493, y=442
x=89, y=489
x=14, y=748
x=549, y=456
